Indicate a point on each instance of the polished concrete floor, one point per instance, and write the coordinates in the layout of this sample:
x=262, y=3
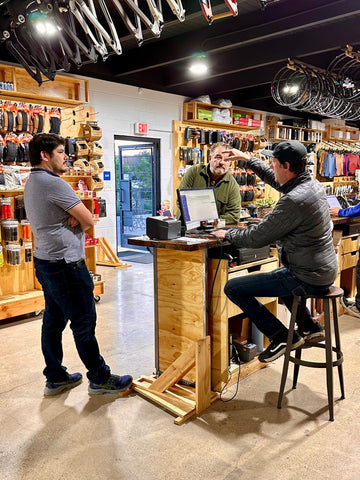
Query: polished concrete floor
x=77, y=437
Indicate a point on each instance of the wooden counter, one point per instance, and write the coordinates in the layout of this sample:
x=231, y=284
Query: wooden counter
x=346, y=235
x=183, y=309
x=183, y=243
x=345, y=220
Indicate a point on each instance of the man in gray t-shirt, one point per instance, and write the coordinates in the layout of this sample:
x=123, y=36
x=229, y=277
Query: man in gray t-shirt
x=58, y=220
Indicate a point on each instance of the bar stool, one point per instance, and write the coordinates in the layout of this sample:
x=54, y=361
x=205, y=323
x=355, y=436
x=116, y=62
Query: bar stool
x=333, y=294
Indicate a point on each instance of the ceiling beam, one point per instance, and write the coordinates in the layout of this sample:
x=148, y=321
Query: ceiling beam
x=226, y=66
x=217, y=38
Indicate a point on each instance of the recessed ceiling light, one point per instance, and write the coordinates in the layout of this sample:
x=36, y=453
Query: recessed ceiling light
x=198, y=68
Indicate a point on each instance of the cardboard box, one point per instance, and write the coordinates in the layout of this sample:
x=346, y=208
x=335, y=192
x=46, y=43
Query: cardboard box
x=334, y=122
x=241, y=121
x=255, y=123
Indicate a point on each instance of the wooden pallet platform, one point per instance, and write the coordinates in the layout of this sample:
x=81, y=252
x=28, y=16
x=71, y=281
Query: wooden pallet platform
x=181, y=400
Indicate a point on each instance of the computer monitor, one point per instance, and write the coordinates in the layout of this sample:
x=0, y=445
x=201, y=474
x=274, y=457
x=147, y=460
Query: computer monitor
x=198, y=207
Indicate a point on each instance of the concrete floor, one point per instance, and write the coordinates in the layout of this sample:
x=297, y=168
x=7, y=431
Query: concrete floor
x=77, y=437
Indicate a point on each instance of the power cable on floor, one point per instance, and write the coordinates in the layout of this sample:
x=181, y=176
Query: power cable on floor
x=223, y=390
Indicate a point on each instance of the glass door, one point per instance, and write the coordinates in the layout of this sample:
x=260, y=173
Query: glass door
x=137, y=186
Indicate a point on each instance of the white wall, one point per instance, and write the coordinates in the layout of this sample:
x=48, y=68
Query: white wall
x=118, y=107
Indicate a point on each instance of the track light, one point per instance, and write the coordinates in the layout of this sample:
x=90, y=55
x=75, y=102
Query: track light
x=198, y=68
x=42, y=24
x=199, y=65
x=291, y=89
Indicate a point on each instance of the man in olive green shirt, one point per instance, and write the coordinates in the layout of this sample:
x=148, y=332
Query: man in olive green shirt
x=215, y=174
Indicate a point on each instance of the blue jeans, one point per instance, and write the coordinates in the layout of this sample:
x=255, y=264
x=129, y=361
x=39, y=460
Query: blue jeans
x=68, y=292
x=278, y=283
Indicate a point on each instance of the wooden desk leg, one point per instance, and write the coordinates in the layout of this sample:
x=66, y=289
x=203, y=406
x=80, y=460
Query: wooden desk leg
x=180, y=304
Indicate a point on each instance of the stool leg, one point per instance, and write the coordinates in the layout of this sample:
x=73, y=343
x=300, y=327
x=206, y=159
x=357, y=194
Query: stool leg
x=329, y=366
x=288, y=348
x=338, y=346
x=300, y=322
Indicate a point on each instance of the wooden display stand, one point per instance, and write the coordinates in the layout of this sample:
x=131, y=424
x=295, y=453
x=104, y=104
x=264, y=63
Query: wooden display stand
x=179, y=141
x=106, y=255
x=20, y=293
x=182, y=400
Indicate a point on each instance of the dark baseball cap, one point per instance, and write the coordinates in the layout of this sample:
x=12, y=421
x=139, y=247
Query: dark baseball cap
x=290, y=151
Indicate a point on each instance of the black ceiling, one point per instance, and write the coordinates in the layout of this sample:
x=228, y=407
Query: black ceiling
x=244, y=52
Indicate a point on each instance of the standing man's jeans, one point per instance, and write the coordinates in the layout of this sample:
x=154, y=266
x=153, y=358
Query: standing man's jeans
x=278, y=283
x=68, y=292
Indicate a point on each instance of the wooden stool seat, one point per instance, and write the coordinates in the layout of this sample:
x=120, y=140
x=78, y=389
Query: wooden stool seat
x=334, y=292
x=300, y=301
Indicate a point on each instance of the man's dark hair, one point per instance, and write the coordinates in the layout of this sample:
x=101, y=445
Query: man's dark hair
x=292, y=152
x=295, y=165
x=43, y=142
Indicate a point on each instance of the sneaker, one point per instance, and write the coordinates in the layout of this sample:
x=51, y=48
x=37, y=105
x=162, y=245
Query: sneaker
x=353, y=310
x=346, y=302
x=278, y=347
x=114, y=384
x=54, y=388
x=315, y=333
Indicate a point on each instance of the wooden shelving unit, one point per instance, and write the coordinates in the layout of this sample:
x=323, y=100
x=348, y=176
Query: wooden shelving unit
x=342, y=134
x=277, y=132
x=90, y=250
x=191, y=114
x=20, y=292
x=179, y=141
x=64, y=91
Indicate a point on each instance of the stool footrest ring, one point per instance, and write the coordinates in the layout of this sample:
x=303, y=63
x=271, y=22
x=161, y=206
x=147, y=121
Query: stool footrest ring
x=307, y=363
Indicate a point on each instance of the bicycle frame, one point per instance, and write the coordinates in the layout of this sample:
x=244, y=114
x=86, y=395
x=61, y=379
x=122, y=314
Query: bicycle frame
x=85, y=30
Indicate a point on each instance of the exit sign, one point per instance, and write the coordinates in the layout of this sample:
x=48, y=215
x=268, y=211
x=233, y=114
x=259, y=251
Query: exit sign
x=141, y=128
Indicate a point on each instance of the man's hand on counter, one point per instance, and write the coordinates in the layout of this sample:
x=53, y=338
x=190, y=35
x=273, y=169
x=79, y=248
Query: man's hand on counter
x=219, y=233
x=334, y=211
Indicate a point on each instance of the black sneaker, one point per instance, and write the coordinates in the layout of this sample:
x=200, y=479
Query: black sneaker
x=347, y=302
x=114, y=384
x=278, y=347
x=353, y=311
x=54, y=388
x=314, y=333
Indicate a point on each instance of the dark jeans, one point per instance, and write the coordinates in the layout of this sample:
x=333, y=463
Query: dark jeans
x=278, y=283
x=68, y=292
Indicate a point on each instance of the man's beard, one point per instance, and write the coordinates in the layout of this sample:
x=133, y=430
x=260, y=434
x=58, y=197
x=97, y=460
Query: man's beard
x=218, y=171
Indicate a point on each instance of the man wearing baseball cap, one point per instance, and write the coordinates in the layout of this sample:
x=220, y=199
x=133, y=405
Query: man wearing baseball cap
x=301, y=227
